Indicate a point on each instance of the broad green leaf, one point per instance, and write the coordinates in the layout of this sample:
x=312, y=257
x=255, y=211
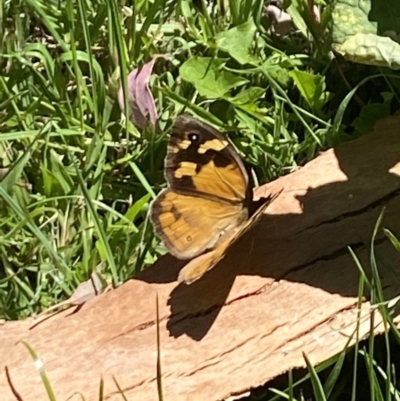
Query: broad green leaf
x=311, y=87
x=371, y=49
x=366, y=33
x=209, y=78
x=237, y=41
x=350, y=18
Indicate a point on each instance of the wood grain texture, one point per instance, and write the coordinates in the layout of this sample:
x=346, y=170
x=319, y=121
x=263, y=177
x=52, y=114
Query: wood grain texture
x=287, y=287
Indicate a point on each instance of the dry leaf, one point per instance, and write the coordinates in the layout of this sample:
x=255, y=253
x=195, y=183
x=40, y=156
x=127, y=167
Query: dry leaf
x=142, y=108
x=83, y=293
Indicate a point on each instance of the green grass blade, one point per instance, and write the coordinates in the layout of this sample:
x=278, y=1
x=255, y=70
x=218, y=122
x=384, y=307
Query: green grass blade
x=41, y=370
x=316, y=383
x=97, y=96
x=100, y=230
x=47, y=21
x=26, y=219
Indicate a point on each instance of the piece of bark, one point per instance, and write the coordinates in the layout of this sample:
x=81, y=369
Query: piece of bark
x=251, y=317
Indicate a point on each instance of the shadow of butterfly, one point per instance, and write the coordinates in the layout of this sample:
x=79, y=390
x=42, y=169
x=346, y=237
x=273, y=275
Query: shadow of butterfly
x=206, y=206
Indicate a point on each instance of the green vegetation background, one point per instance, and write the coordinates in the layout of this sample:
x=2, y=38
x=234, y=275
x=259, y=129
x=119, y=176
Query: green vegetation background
x=77, y=177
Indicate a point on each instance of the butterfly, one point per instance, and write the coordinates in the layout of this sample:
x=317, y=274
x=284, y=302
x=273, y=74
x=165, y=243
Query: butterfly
x=206, y=206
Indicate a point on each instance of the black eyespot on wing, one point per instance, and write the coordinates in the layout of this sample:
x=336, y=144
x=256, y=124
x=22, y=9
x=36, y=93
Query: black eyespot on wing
x=193, y=137
x=221, y=158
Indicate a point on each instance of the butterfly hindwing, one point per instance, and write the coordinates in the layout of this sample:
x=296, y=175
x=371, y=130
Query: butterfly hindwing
x=197, y=267
x=188, y=225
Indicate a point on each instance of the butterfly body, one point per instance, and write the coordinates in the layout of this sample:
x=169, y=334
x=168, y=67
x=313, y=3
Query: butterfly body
x=206, y=205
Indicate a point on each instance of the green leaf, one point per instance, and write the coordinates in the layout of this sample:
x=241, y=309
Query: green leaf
x=208, y=77
x=281, y=75
x=371, y=49
x=311, y=87
x=248, y=96
x=350, y=18
x=367, y=34
x=237, y=41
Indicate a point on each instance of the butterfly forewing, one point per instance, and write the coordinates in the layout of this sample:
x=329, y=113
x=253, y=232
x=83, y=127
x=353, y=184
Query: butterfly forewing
x=201, y=160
